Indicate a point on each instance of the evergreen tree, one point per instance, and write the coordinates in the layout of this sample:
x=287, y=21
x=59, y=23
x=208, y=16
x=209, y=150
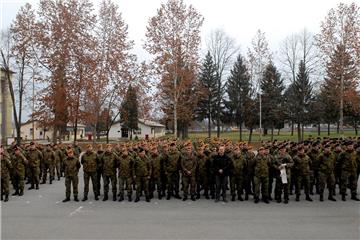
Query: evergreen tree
x=129, y=110
x=272, y=88
x=302, y=98
x=208, y=90
x=238, y=90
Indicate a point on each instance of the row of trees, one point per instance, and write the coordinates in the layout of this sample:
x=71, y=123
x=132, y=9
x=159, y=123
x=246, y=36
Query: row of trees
x=86, y=71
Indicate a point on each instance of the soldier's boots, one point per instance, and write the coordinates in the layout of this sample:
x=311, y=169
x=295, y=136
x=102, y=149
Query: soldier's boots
x=217, y=200
x=137, y=199
x=159, y=195
x=233, y=198
x=321, y=197
x=16, y=193
x=31, y=187
x=193, y=198
x=37, y=187
x=129, y=198
x=256, y=200
x=240, y=198
x=343, y=197
x=308, y=198
x=225, y=200
x=297, y=197
x=206, y=194
x=168, y=196
x=147, y=199
x=331, y=198
x=278, y=200
x=51, y=181
x=286, y=201
x=2, y=198
x=114, y=197
x=58, y=178
x=354, y=197
x=84, y=199
x=96, y=197
x=43, y=182
x=121, y=198
x=185, y=198
x=177, y=196
x=76, y=199
x=6, y=198
x=246, y=196
x=21, y=192
x=266, y=200
x=106, y=197
x=66, y=199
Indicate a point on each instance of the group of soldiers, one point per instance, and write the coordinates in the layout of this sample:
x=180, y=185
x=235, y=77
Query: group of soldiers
x=207, y=167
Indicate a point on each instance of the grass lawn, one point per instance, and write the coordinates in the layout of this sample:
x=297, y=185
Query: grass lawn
x=284, y=135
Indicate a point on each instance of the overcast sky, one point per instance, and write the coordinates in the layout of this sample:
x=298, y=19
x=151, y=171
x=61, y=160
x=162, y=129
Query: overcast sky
x=239, y=18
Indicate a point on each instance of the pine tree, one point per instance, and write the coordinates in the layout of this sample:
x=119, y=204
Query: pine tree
x=272, y=98
x=238, y=90
x=207, y=101
x=129, y=110
x=302, y=98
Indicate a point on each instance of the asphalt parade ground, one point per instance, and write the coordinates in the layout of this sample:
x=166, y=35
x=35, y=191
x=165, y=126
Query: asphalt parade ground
x=41, y=214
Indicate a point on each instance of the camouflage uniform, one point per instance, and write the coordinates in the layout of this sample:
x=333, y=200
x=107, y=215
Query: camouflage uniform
x=155, y=182
x=109, y=162
x=280, y=186
x=90, y=160
x=48, y=164
x=261, y=176
x=203, y=174
x=5, y=175
x=18, y=163
x=171, y=168
x=34, y=157
x=72, y=166
x=348, y=172
x=249, y=173
x=237, y=175
x=302, y=165
x=326, y=174
x=142, y=173
x=188, y=167
x=125, y=176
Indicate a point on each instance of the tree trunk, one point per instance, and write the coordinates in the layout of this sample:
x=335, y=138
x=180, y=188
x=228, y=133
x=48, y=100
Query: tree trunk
x=250, y=135
x=292, y=128
x=328, y=129
x=240, y=130
x=272, y=133
x=355, y=127
x=337, y=127
x=319, y=129
x=278, y=133
x=218, y=126
x=209, y=126
x=302, y=132
x=299, y=131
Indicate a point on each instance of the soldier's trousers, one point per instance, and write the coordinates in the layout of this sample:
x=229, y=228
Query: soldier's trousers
x=74, y=181
x=5, y=184
x=155, y=184
x=328, y=179
x=348, y=177
x=189, y=180
x=99, y=175
x=18, y=182
x=221, y=185
x=305, y=179
x=262, y=182
x=87, y=177
x=34, y=175
x=45, y=168
x=236, y=185
x=173, y=183
x=107, y=180
x=203, y=183
x=58, y=169
x=282, y=187
x=249, y=183
x=125, y=181
x=315, y=181
x=142, y=183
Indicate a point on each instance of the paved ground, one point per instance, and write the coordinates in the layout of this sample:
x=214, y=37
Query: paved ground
x=42, y=215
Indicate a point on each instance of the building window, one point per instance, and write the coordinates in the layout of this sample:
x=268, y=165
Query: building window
x=40, y=133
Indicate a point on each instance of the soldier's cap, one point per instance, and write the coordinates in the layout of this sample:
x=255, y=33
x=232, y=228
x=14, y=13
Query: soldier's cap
x=300, y=148
x=172, y=144
x=348, y=143
x=261, y=148
x=327, y=146
x=32, y=143
x=141, y=149
x=282, y=147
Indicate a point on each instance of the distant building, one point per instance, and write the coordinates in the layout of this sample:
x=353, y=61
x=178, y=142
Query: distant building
x=41, y=133
x=6, y=108
x=146, y=130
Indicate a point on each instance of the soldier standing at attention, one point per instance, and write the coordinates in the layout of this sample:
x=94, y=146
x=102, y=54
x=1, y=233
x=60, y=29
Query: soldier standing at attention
x=34, y=157
x=72, y=166
x=302, y=165
x=221, y=165
x=90, y=160
x=109, y=162
x=48, y=164
x=18, y=163
x=171, y=168
x=156, y=162
x=261, y=175
x=125, y=174
x=5, y=173
x=348, y=171
x=142, y=174
x=282, y=161
x=237, y=174
x=326, y=173
x=188, y=166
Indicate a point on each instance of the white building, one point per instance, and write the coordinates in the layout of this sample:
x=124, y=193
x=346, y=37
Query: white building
x=146, y=130
x=40, y=133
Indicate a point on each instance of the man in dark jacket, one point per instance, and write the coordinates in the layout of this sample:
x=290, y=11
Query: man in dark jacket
x=221, y=165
